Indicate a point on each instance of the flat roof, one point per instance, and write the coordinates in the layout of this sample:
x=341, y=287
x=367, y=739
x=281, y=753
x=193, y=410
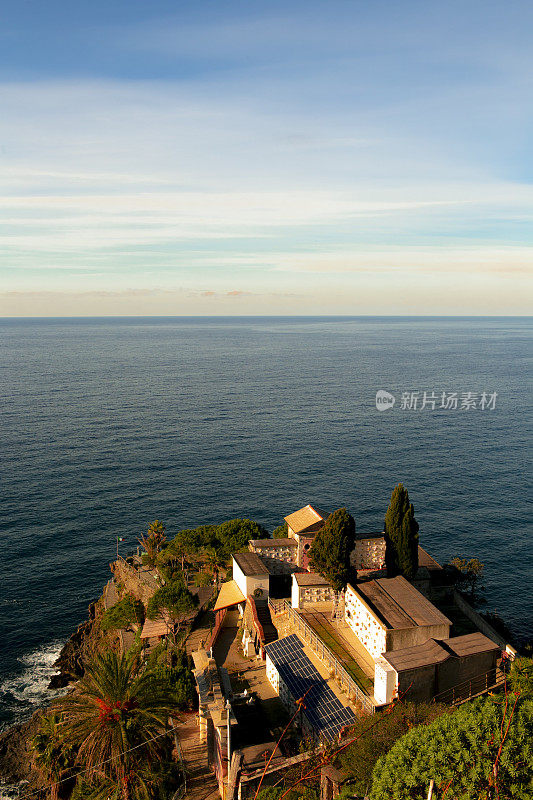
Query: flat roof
x=310, y=579
x=398, y=604
x=305, y=518
x=250, y=564
x=273, y=542
x=470, y=644
x=420, y=655
x=435, y=651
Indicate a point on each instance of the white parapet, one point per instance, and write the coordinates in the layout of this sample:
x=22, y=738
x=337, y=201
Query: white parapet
x=385, y=682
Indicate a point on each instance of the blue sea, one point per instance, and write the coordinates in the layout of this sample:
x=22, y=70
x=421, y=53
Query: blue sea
x=109, y=423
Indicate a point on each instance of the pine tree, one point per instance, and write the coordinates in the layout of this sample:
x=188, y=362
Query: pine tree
x=401, y=535
x=331, y=548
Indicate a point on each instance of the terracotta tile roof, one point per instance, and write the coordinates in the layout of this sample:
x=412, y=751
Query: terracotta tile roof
x=229, y=595
x=305, y=518
x=250, y=564
x=398, y=604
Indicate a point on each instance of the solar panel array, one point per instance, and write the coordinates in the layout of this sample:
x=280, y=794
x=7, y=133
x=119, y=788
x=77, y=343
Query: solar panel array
x=323, y=709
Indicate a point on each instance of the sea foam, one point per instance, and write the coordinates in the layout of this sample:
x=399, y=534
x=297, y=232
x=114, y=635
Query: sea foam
x=26, y=689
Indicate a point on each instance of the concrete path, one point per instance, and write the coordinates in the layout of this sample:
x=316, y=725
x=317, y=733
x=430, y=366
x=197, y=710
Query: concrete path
x=198, y=637
x=110, y=595
x=201, y=781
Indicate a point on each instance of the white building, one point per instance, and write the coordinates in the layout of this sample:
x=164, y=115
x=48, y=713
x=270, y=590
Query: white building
x=389, y=613
x=292, y=675
x=311, y=589
x=251, y=575
x=280, y=554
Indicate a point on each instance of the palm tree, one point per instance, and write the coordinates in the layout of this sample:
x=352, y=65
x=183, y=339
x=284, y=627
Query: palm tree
x=214, y=561
x=51, y=754
x=153, y=539
x=113, y=710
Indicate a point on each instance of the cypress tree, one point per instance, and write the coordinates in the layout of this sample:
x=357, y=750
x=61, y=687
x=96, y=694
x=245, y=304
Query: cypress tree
x=401, y=535
x=331, y=548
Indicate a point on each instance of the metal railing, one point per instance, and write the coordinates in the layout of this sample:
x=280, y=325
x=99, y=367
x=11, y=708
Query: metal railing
x=480, y=684
x=339, y=672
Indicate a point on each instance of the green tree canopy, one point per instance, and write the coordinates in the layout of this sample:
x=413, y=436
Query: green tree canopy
x=483, y=750
x=173, y=597
x=331, y=548
x=52, y=755
x=234, y=534
x=375, y=736
x=401, y=535
x=227, y=538
x=281, y=532
x=123, y=613
x=153, y=540
x=521, y=677
x=467, y=573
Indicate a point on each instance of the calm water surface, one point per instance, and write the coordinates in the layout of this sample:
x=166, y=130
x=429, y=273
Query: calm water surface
x=109, y=423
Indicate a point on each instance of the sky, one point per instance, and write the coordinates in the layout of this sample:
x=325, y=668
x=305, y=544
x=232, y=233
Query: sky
x=224, y=157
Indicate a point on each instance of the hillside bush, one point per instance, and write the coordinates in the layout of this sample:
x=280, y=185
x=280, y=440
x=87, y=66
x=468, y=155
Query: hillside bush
x=123, y=614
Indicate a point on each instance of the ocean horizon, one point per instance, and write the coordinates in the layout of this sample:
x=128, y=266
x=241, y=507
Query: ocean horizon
x=110, y=422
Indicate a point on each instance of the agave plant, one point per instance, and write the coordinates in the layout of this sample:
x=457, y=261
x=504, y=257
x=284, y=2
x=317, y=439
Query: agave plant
x=114, y=710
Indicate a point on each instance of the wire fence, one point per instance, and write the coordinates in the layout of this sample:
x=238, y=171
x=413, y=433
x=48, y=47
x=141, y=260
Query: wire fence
x=338, y=671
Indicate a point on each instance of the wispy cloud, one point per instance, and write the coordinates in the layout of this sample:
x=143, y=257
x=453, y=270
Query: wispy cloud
x=367, y=152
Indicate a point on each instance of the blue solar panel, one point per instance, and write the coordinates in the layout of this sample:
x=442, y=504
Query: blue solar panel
x=323, y=709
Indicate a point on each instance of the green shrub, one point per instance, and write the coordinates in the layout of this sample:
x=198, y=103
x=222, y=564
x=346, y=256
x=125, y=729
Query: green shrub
x=123, y=614
x=173, y=597
x=281, y=532
x=486, y=742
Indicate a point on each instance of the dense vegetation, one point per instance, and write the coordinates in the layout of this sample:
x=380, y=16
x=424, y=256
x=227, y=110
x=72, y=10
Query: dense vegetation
x=189, y=546
x=483, y=750
x=466, y=574
x=401, y=535
x=281, y=532
x=174, y=597
x=122, y=614
x=91, y=734
x=376, y=735
x=153, y=541
x=331, y=548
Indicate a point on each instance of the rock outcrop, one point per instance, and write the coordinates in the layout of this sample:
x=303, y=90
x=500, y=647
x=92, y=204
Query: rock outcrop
x=80, y=649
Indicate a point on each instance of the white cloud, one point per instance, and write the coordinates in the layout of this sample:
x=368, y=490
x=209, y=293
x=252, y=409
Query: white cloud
x=167, y=176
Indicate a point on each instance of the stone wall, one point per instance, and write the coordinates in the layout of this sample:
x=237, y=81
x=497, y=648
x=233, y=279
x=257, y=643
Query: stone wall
x=139, y=583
